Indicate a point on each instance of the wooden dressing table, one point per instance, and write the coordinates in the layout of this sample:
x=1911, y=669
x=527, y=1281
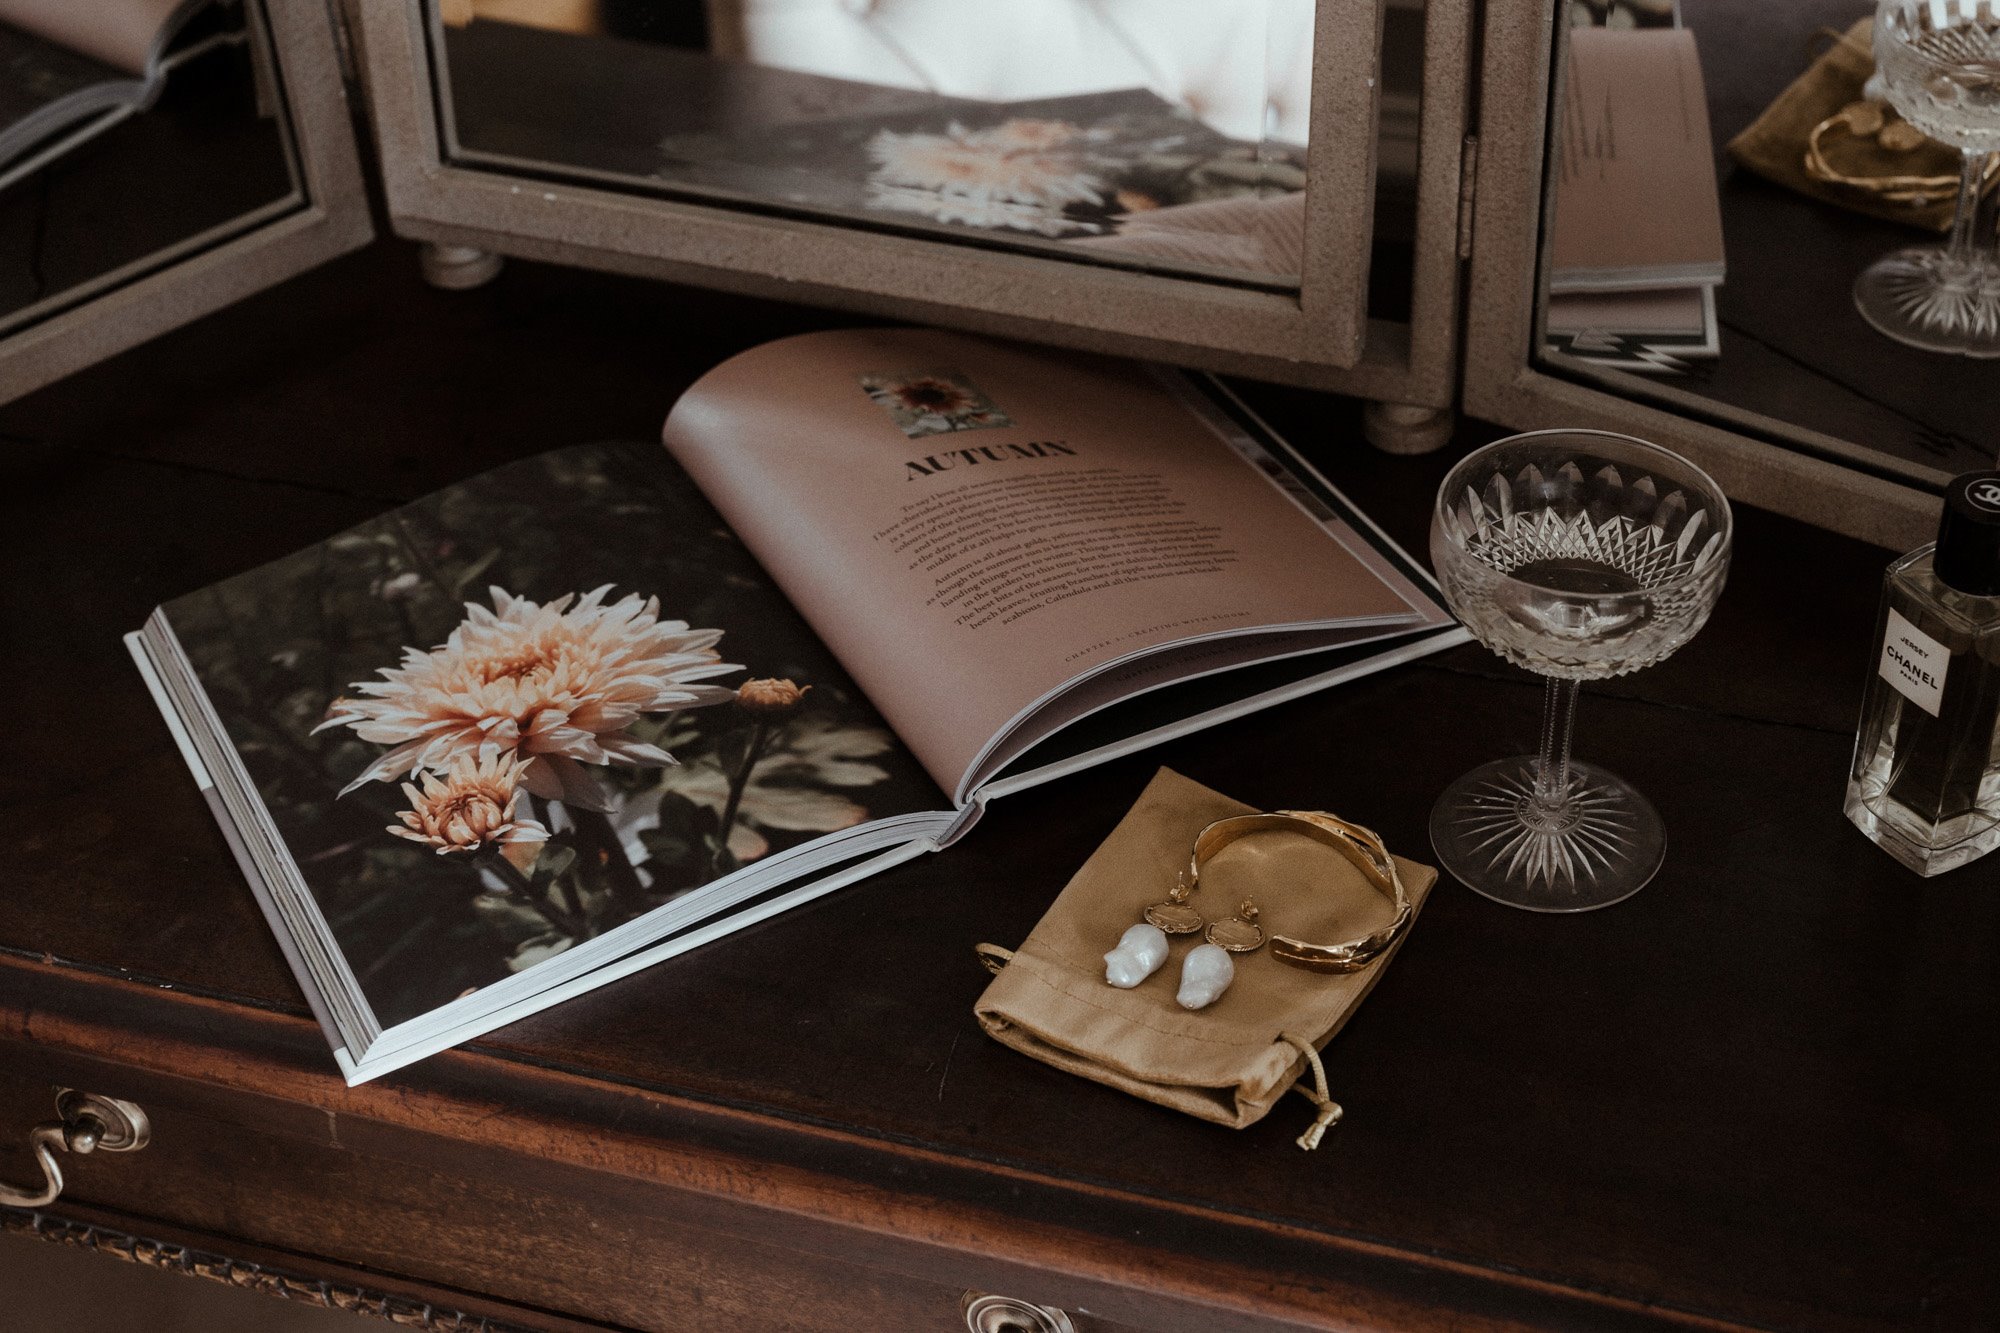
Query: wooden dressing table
x=1759, y=1094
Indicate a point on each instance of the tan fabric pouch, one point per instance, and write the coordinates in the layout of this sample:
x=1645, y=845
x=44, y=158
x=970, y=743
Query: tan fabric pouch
x=1776, y=143
x=1231, y=1061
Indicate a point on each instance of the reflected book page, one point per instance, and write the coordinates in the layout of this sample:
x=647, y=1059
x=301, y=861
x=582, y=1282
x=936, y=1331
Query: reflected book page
x=570, y=717
x=1636, y=202
x=1156, y=137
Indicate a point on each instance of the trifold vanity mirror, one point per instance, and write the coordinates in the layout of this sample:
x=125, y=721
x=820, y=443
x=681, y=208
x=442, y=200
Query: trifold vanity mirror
x=159, y=159
x=1188, y=179
x=1530, y=209
x=1618, y=284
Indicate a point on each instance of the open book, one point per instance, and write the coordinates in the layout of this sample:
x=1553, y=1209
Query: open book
x=1636, y=202
x=71, y=69
x=581, y=713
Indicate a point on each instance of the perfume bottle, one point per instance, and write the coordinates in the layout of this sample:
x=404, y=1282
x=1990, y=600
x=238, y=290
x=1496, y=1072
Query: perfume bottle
x=1925, y=783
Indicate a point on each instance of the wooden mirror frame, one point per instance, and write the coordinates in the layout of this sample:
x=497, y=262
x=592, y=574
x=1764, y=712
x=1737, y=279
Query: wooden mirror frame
x=1321, y=337
x=1817, y=478
x=332, y=221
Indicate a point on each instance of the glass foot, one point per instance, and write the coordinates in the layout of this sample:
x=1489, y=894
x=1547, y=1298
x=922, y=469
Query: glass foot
x=1600, y=848
x=1927, y=299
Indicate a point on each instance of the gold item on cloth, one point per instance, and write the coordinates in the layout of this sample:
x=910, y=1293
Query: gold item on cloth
x=1229, y=1064
x=1825, y=138
x=1358, y=845
x=1174, y=915
x=1872, y=120
x=1206, y=972
x=1239, y=933
x=1140, y=952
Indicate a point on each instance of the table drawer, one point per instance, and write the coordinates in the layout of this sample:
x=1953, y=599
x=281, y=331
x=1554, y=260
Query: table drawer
x=606, y=1252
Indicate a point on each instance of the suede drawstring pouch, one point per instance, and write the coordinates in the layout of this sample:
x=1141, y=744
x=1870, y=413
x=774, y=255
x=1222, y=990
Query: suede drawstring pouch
x=1822, y=138
x=1232, y=1061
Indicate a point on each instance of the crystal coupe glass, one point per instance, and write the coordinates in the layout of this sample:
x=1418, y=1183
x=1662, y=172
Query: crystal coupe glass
x=1940, y=65
x=1577, y=554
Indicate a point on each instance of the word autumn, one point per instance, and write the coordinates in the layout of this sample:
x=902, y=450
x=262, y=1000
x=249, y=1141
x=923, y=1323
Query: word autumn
x=984, y=453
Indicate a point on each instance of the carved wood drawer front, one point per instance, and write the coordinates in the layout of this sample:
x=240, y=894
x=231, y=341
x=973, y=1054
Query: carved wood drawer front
x=532, y=1248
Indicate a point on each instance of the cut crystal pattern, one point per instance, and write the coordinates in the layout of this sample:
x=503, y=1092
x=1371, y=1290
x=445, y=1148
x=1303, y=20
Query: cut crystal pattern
x=1592, y=838
x=1577, y=555
x=1579, y=576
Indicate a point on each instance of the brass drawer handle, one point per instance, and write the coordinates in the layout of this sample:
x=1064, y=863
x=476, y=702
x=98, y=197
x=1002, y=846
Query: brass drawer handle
x=1004, y=1314
x=89, y=1123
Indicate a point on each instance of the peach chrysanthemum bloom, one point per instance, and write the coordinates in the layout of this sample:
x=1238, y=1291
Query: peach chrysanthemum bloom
x=770, y=696
x=555, y=681
x=985, y=214
x=1036, y=163
x=929, y=395
x=473, y=804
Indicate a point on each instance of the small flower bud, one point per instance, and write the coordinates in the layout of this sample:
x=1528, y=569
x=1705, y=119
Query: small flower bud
x=769, y=696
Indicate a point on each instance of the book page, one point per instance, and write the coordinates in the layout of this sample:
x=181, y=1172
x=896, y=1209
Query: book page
x=121, y=33
x=1636, y=203
x=972, y=526
x=486, y=741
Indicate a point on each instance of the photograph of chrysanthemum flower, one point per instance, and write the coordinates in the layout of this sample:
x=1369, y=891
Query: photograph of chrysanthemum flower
x=1048, y=169
x=932, y=402
x=514, y=716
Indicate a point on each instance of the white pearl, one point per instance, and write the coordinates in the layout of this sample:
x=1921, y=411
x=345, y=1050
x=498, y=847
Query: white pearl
x=1139, y=954
x=1205, y=974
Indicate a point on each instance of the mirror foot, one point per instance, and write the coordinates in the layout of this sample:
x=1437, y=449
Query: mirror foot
x=457, y=268
x=1407, y=428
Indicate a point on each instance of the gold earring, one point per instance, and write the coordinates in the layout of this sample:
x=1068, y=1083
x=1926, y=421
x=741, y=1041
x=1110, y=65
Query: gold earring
x=1174, y=915
x=1239, y=933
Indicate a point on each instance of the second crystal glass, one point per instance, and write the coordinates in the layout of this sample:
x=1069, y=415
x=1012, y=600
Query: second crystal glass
x=1578, y=555
x=1940, y=66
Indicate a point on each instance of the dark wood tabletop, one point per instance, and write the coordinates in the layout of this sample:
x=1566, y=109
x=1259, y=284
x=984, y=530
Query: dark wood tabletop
x=1759, y=1094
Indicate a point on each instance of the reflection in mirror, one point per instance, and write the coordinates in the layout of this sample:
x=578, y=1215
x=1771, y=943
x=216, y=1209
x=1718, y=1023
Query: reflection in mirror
x=1721, y=172
x=1161, y=134
x=1398, y=128
x=133, y=133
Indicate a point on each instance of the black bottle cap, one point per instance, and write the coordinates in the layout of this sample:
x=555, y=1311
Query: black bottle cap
x=1968, y=540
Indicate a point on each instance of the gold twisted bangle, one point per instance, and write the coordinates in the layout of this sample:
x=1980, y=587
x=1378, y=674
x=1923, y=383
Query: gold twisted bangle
x=1870, y=120
x=1359, y=845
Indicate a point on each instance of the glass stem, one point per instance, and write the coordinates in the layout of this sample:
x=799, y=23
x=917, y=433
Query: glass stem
x=1558, y=725
x=1963, y=248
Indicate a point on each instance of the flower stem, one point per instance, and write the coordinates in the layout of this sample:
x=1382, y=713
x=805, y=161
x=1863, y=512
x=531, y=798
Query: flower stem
x=547, y=906
x=740, y=779
x=596, y=837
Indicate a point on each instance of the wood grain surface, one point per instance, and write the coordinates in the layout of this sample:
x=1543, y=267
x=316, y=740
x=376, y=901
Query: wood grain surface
x=1758, y=1094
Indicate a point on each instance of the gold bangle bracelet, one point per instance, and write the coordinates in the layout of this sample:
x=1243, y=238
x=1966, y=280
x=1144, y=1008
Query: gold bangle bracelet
x=1359, y=845
x=1870, y=120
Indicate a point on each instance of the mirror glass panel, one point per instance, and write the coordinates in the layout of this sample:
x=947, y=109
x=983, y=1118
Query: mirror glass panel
x=1721, y=174
x=1398, y=133
x=133, y=134
x=1167, y=135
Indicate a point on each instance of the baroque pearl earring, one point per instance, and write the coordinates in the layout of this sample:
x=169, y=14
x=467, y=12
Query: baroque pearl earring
x=1208, y=970
x=1205, y=973
x=1143, y=948
x=1140, y=952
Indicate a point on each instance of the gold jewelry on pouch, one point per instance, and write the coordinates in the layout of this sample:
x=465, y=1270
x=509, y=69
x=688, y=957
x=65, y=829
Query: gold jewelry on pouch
x=1174, y=915
x=1360, y=846
x=1239, y=933
x=1870, y=120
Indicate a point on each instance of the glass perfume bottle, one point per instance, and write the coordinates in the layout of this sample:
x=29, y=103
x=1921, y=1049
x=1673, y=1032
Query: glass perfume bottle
x=1925, y=783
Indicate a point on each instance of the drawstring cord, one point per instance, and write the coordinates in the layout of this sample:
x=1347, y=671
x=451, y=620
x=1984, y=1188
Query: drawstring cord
x=994, y=958
x=1329, y=1109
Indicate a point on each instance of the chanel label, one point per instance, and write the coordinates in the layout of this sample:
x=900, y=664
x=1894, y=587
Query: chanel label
x=1914, y=663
